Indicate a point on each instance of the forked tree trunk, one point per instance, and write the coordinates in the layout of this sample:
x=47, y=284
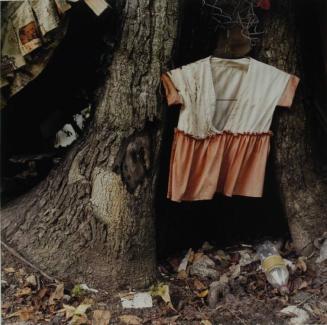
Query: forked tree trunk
x=302, y=189
x=92, y=219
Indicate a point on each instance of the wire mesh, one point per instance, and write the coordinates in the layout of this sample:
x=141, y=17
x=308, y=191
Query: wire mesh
x=226, y=13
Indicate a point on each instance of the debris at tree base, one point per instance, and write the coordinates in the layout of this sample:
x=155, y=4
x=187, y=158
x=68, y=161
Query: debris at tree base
x=137, y=300
x=203, y=267
x=101, y=317
x=323, y=253
x=299, y=316
x=218, y=289
x=80, y=289
x=131, y=320
x=274, y=266
x=239, y=294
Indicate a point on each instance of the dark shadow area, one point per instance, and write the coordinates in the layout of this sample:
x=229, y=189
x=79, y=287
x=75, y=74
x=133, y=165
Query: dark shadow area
x=314, y=60
x=67, y=85
x=222, y=220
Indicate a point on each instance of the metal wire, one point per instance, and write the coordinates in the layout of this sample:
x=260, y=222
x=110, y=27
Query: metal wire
x=226, y=13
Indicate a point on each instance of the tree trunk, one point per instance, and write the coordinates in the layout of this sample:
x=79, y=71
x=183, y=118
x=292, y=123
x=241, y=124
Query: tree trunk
x=92, y=219
x=302, y=190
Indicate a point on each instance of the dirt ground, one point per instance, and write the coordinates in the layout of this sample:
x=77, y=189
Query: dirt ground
x=181, y=296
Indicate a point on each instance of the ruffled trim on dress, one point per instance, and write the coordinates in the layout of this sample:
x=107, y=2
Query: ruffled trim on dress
x=215, y=134
x=227, y=163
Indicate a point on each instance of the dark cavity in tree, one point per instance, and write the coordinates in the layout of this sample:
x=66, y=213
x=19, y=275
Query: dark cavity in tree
x=67, y=85
x=222, y=220
x=133, y=161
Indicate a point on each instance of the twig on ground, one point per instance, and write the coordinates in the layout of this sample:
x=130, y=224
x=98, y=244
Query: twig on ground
x=308, y=298
x=239, y=318
x=14, y=253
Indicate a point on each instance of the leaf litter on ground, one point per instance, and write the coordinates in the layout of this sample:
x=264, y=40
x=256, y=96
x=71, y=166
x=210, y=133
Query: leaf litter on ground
x=205, y=286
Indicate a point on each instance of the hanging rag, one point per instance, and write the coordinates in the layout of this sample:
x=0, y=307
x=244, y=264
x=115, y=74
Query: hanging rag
x=30, y=32
x=222, y=140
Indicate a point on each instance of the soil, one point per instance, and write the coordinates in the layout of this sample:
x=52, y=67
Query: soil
x=247, y=298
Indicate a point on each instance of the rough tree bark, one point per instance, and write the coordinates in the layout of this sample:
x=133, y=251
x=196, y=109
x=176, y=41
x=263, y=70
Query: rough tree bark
x=92, y=219
x=302, y=189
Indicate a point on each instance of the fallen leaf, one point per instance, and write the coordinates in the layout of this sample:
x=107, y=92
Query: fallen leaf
x=81, y=309
x=57, y=294
x=247, y=257
x=130, y=319
x=77, y=314
x=23, y=292
x=199, y=285
x=217, y=290
x=183, y=265
x=235, y=271
x=87, y=301
x=301, y=316
x=9, y=270
x=300, y=264
x=221, y=254
x=38, y=300
x=224, y=279
x=69, y=311
x=101, y=317
x=162, y=290
x=203, y=293
x=5, y=305
x=303, y=285
x=197, y=256
x=24, y=314
x=79, y=320
x=182, y=275
x=222, y=257
x=31, y=280
x=42, y=292
x=206, y=322
x=204, y=267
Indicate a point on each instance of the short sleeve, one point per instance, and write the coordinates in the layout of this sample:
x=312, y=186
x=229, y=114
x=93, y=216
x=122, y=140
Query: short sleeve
x=178, y=78
x=173, y=83
x=283, y=86
x=176, y=75
x=288, y=94
x=173, y=98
